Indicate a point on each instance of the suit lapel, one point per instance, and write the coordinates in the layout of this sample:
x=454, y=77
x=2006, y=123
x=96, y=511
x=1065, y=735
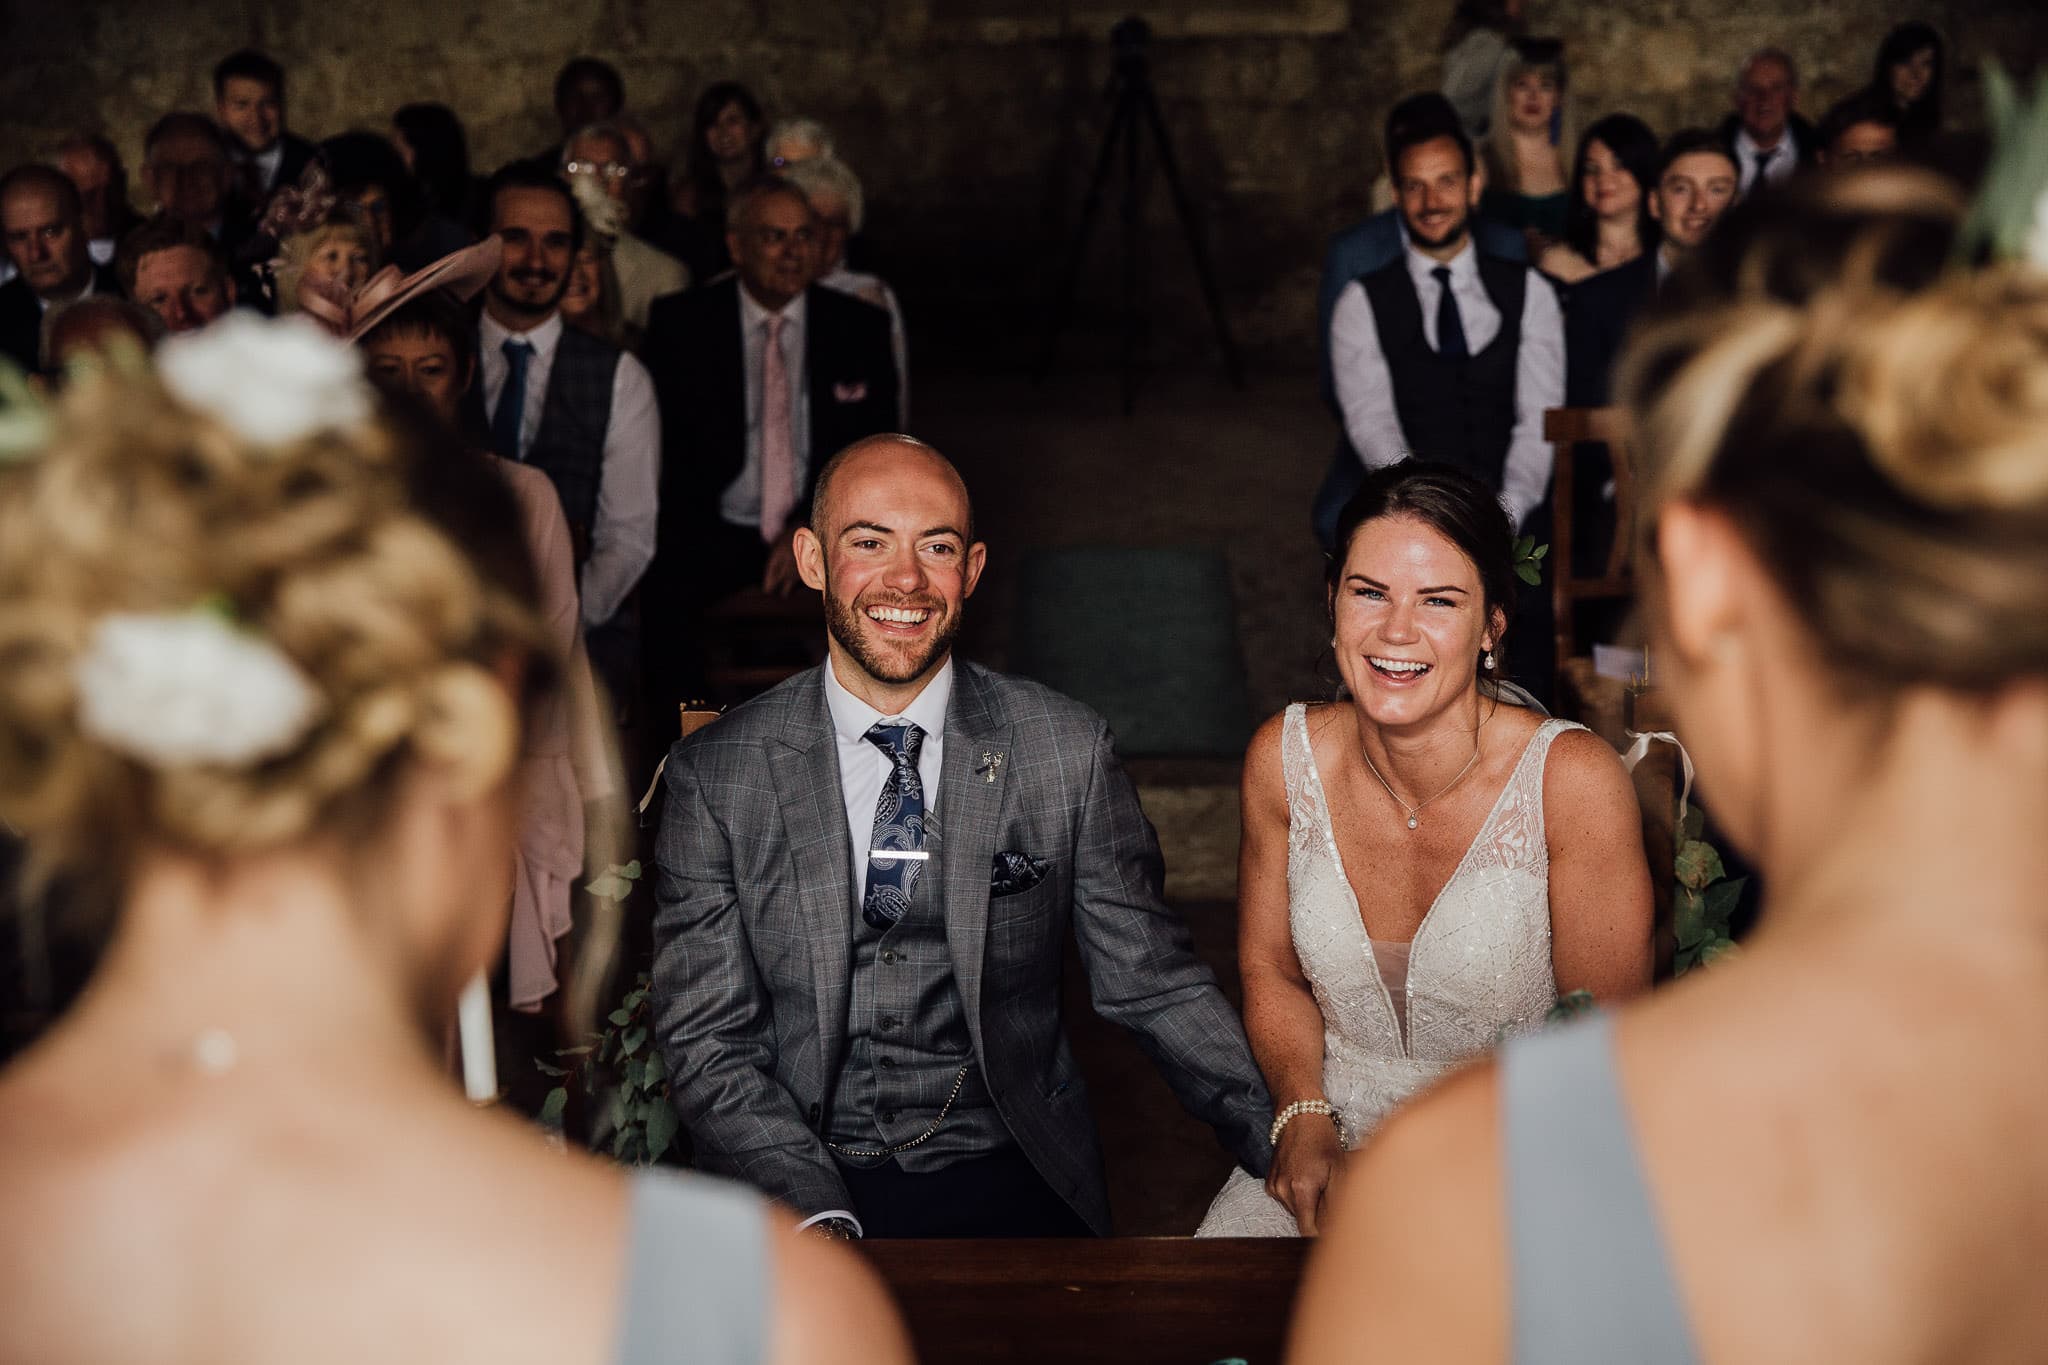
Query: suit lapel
x=974, y=782
x=804, y=762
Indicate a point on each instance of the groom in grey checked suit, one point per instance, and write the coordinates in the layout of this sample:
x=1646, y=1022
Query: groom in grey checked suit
x=865, y=879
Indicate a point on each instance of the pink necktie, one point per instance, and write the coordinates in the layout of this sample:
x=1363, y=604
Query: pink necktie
x=778, y=452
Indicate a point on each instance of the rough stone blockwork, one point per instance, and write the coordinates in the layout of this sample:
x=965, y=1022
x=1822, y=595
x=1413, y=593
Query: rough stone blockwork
x=974, y=122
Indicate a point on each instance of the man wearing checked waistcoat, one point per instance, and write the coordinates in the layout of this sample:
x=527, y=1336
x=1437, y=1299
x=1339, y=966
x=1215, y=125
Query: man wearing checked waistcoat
x=865, y=879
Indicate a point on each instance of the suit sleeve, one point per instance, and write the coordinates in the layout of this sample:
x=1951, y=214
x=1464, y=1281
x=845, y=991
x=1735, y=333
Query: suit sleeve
x=1143, y=973
x=712, y=1017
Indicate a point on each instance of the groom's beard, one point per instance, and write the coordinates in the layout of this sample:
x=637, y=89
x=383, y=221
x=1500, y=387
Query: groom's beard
x=849, y=625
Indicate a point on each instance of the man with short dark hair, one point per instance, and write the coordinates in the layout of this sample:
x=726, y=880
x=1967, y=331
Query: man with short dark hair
x=1449, y=354
x=587, y=91
x=575, y=407
x=1696, y=180
x=248, y=101
x=865, y=882
x=1863, y=127
x=1766, y=134
x=42, y=224
x=762, y=375
x=178, y=272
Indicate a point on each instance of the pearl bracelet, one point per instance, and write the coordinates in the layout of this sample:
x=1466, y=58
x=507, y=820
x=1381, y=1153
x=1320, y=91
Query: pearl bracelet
x=1300, y=1107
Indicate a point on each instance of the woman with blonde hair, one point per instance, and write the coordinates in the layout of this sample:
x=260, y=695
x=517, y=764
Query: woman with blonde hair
x=1830, y=1147
x=1525, y=143
x=326, y=250
x=266, y=666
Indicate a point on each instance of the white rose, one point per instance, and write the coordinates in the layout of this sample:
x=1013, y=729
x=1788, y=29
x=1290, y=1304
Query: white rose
x=2037, y=235
x=174, y=690
x=271, y=382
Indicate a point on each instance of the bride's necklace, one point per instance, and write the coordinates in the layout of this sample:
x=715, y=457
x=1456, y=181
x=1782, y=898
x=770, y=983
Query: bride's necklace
x=1415, y=810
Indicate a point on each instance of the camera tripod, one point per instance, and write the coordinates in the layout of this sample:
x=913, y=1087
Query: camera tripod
x=1135, y=106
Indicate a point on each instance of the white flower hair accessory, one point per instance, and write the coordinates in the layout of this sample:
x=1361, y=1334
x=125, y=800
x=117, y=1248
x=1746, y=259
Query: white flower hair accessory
x=270, y=382
x=189, y=688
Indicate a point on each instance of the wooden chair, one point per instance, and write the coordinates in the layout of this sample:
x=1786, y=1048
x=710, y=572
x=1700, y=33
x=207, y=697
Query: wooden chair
x=1570, y=431
x=753, y=640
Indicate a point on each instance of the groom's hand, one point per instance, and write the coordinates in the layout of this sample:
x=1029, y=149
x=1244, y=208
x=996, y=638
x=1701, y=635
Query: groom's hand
x=1303, y=1165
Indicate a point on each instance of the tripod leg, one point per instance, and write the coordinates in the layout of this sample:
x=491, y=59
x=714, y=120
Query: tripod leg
x=1070, y=279
x=1203, y=271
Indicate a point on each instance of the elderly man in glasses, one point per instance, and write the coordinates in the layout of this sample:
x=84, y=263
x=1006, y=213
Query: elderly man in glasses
x=602, y=154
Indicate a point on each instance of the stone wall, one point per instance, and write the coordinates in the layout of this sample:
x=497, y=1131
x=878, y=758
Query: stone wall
x=973, y=122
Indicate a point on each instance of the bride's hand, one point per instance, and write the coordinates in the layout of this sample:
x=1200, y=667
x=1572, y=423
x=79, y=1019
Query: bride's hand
x=1303, y=1165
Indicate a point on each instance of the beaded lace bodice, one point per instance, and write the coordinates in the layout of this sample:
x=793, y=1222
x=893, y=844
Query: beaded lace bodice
x=1478, y=966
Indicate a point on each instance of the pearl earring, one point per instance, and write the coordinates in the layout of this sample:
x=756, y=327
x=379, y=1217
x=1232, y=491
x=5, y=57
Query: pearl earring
x=1489, y=661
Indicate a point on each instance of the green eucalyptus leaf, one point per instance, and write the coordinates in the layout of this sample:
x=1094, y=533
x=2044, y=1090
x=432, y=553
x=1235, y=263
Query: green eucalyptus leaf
x=620, y=1017
x=657, y=1069
x=1698, y=865
x=1713, y=951
x=631, y=871
x=1722, y=899
x=552, y=1107
x=635, y=1039
x=609, y=886
x=1689, y=918
x=661, y=1131
x=1570, y=1006
x=1693, y=826
x=1529, y=574
x=547, y=1070
x=1539, y=552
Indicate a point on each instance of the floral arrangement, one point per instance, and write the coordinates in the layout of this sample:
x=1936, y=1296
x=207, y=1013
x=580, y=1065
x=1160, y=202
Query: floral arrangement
x=1706, y=900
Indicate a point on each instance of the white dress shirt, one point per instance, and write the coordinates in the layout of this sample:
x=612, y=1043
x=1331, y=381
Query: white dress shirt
x=622, y=536
x=1784, y=159
x=863, y=767
x=740, y=504
x=1365, y=387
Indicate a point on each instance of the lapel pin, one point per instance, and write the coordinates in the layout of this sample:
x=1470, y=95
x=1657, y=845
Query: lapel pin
x=991, y=764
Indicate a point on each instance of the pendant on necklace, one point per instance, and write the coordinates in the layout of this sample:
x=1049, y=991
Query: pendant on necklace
x=1411, y=822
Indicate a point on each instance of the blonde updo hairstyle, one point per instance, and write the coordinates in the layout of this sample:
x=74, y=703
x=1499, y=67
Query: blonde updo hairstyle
x=390, y=575
x=1873, y=419
x=296, y=252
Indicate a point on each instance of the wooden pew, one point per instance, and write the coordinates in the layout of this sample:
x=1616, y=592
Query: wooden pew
x=1136, y=1300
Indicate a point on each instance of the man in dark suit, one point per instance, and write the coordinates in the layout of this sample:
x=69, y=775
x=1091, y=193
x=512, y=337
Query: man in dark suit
x=761, y=376
x=248, y=100
x=43, y=223
x=865, y=881
x=1766, y=134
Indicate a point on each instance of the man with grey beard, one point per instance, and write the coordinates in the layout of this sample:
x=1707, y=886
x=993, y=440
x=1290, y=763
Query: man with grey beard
x=865, y=880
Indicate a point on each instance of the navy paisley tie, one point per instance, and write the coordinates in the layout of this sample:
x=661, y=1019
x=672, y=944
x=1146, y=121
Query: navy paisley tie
x=899, y=827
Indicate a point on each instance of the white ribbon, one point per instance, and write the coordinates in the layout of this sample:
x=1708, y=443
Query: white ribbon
x=1641, y=748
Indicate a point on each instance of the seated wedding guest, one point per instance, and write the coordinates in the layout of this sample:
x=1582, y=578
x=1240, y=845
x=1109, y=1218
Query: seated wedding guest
x=1371, y=245
x=868, y=1029
x=598, y=154
x=792, y=140
x=1446, y=351
x=724, y=154
x=429, y=139
x=97, y=326
x=1908, y=76
x=761, y=376
x=591, y=302
x=187, y=169
x=92, y=163
x=272, y=721
x=248, y=103
x=1475, y=45
x=1495, y=857
x=326, y=251
x=1526, y=187
x=42, y=226
x=367, y=171
x=581, y=411
x=1766, y=134
x=587, y=90
x=425, y=344
x=836, y=198
x=1694, y=185
x=1862, y=127
x=1846, y=498
x=646, y=190
x=1608, y=223
x=177, y=272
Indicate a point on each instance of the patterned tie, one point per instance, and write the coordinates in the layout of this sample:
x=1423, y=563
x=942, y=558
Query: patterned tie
x=899, y=826
x=778, y=447
x=1450, y=324
x=511, y=411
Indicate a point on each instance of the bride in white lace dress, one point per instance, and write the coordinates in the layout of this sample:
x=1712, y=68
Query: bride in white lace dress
x=1405, y=899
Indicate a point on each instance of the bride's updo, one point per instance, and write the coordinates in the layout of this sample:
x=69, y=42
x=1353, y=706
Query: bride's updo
x=239, y=599
x=1873, y=419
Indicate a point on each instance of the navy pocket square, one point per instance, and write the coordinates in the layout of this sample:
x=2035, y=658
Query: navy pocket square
x=1015, y=872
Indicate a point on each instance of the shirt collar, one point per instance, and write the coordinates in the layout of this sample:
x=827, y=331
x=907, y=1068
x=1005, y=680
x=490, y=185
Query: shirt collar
x=1465, y=263
x=753, y=315
x=1748, y=148
x=542, y=338
x=852, y=718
